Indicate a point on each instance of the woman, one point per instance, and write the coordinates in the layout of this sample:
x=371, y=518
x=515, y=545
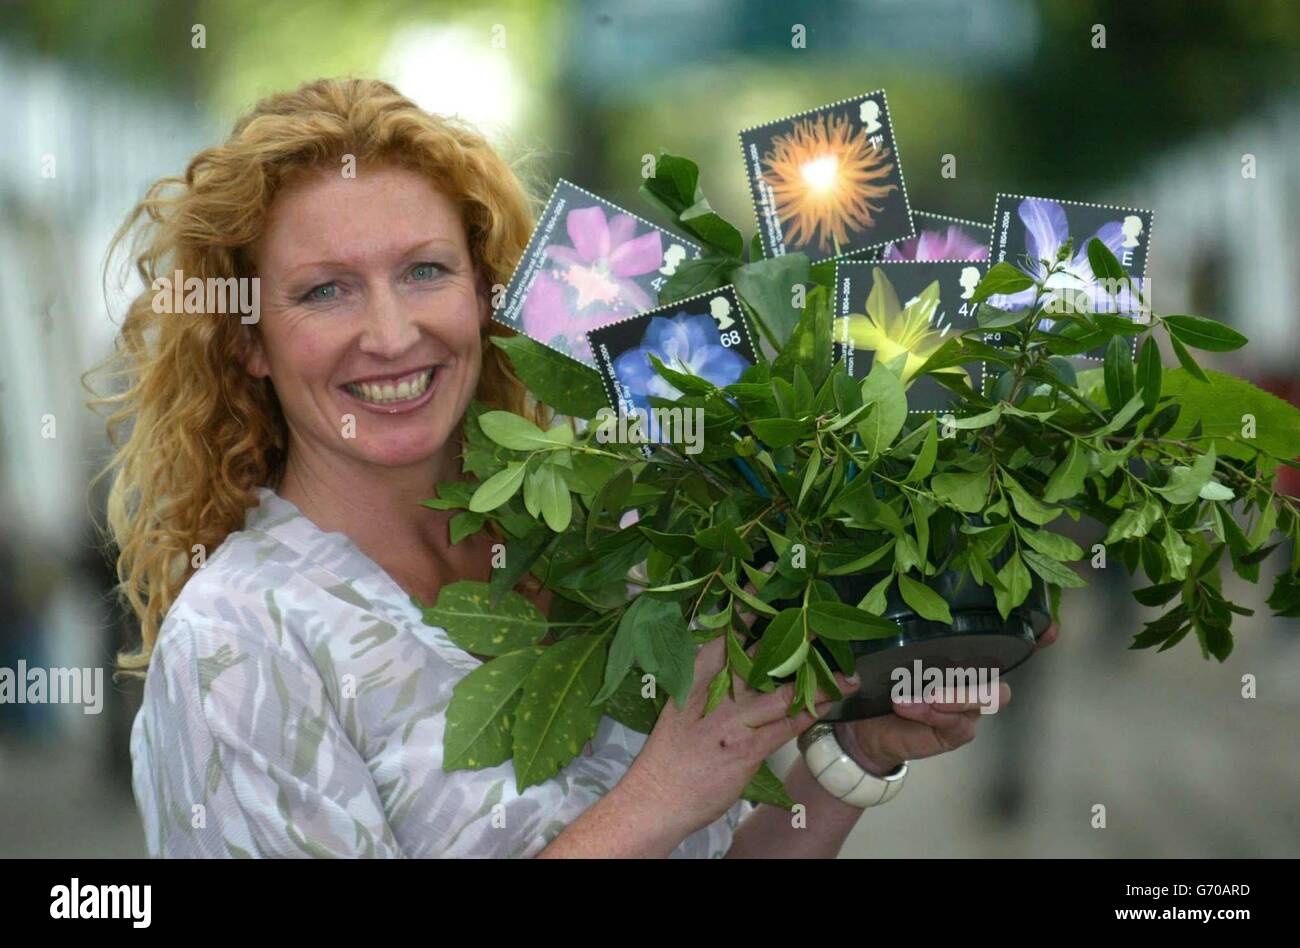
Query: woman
x=265, y=506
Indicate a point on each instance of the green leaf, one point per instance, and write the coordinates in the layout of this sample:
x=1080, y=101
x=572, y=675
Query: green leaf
x=1133, y=522
x=1177, y=553
x=876, y=600
x=693, y=277
x=1221, y=407
x=1204, y=334
x=1186, y=360
x=705, y=223
x=1103, y=262
x=465, y=524
x=555, y=499
x=627, y=706
x=1118, y=368
x=1014, y=587
x=473, y=624
x=511, y=431
x=1052, y=571
x=498, y=488
x=862, y=563
x=570, y=387
x=982, y=420
x=1150, y=372
x=1002, y=278
x=926, y=457
x=1067, y=480
x=662, y=643
x=1027, y=506
x=842, y=622
x=479, y=715
x=779, y=432
x=1052, y=544
x=965, y=491
x=1185, y=483
x=554, y=717
x=767, y=287
x=927, y=603
x=990, y=317
x=884, y=392
x=766, y=787
x=782, y=638
x=1157, y=595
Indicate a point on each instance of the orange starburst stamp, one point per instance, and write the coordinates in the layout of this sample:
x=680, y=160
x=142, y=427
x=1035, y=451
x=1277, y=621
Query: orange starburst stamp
x=828, y=182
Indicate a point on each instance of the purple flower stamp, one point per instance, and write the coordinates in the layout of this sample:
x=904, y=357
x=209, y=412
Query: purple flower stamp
x=589, y=263
x=941, y=238
x=1031, y=232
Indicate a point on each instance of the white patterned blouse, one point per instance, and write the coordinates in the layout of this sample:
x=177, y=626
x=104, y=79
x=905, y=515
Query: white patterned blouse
x=295, y=706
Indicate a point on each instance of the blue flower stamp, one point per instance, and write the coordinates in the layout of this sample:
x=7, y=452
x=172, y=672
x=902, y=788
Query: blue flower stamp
x=703, y=336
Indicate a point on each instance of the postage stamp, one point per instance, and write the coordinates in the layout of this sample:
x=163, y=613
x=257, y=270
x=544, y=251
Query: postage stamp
x=587, y=264
x=828, y=182
x=902, y=311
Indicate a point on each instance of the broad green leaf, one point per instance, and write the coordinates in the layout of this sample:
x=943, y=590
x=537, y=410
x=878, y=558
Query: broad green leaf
x=982, y=420
x=783, y=637
x=554, y=717
x=1052, y=571
x=1185, y=483
x=1221, y=409
x=473, y=624
x=1067, y=480
x=767, y=287
x=498, y=488
x=883, y=391
x=570, y=387
x=1052, y=544
x=1204, y=334
x=927, y=603
x=840, y=621
x=965, y=491
x=876, y=600
x=1103, y=262
x=1028, y=506
x=628, y=707
x=479, y=719
x=926, y=457
x=1014, y=585
x=1002, y=278
x=766, y=787
x=511, y=431
x=662, y=644
x=555, y=500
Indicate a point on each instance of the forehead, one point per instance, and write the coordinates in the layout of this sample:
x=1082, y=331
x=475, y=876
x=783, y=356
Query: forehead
x=384, y=210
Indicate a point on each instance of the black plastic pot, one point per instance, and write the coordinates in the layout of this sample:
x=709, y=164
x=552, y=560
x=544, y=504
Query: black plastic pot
x=977, y=638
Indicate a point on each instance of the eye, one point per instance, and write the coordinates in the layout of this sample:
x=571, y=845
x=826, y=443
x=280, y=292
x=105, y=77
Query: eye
x=321, y=294
x=427, y=270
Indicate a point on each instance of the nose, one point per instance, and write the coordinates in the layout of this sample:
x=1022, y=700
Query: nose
x=390, y=329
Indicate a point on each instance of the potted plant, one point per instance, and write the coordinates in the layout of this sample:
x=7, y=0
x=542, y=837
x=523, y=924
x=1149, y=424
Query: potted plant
x=859, y=534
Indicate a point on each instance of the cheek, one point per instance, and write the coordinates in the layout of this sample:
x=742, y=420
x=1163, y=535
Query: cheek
x=304, y=353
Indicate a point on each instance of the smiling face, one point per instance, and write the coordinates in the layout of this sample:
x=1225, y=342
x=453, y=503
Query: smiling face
x=372, y=314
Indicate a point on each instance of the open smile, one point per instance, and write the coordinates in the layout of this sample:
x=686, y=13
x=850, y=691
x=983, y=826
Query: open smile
x=394, y=394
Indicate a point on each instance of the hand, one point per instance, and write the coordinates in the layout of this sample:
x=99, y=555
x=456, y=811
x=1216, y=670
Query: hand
x=694, y=766
x=917, y=730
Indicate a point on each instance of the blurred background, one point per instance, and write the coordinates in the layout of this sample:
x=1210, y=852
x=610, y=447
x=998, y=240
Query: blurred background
x=1192, y=110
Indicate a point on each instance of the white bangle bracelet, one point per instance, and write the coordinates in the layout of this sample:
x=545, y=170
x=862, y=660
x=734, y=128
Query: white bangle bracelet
x=842, y=776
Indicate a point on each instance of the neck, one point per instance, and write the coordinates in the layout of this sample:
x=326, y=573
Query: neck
x=378, y=508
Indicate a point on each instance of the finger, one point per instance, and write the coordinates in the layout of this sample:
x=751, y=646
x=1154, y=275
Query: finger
x=709, y=659
x=763, y=709
x=786, y=728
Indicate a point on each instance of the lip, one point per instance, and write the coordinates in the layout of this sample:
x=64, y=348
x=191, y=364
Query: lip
x=397, y=408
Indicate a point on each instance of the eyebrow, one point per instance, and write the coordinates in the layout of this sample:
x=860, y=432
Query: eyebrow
x=431, y=243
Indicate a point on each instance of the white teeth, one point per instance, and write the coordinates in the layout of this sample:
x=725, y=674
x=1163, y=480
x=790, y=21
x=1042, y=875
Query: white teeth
x=384, y=393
